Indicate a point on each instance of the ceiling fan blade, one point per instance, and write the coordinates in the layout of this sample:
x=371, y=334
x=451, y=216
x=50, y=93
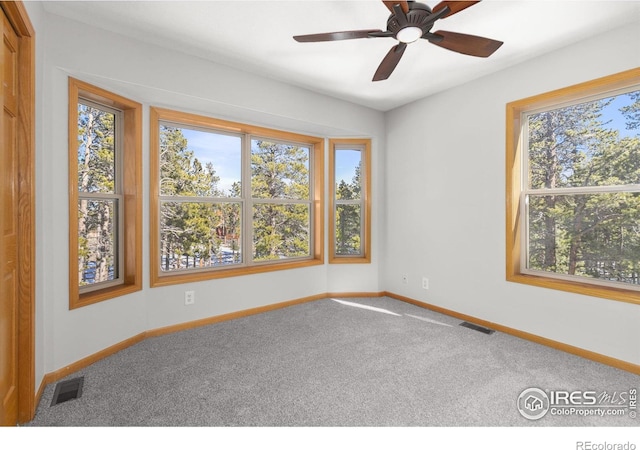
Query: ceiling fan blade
x=401, y=16
x=335, y=36
x=466, y=43
x=454, y=6
x=382, y=34
x=389, y=62
x=403, y=5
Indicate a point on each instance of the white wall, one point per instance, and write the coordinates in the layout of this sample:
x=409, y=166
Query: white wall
x=448, y=216
x=159, y=77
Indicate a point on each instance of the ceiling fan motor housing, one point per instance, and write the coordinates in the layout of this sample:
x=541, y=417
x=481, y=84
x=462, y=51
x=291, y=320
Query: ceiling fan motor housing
x=417, y=15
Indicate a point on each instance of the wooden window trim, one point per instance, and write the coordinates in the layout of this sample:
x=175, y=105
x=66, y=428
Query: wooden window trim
x=514, y=238
x=158, y=115
x=366, y=231
x=131, y=190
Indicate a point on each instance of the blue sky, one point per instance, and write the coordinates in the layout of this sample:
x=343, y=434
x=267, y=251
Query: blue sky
x=346, y=162
x=612, y=113
x=225, y=151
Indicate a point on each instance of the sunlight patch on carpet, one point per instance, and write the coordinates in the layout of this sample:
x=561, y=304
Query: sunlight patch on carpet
x=370, y=308
x=429, y=320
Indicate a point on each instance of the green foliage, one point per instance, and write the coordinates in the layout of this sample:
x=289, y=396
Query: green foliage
x=348, y=216
x=632, y=111
x=97, y=253
x=197, y=229
x=597, y=234
x=280, y=172
x=198, y=232
x=96, y=150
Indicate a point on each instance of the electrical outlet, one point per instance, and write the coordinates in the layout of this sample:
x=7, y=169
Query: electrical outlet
x=405, y=279
x=425, y=283
x=189, y=297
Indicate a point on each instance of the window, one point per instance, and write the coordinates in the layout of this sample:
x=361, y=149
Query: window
x=573, y=188
x=230, y=199
x=105, y=195
x=349, y=213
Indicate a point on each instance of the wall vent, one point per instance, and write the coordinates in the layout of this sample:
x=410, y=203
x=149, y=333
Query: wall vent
x=67, y=390
x=472, y=326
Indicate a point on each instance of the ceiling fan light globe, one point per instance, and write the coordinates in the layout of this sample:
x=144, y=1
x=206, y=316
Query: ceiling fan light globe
x=409, y=34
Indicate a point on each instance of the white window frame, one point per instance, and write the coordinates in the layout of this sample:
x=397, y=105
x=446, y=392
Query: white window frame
x=252, y=201
x=117, y=197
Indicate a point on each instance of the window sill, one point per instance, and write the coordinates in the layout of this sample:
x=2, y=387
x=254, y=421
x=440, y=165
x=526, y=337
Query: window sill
x=577, y=287
x=89, y=298
x=349, y=260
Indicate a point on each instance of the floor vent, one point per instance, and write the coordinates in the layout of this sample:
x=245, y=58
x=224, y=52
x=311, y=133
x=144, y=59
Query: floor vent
x=477, y=328
x=67, y=390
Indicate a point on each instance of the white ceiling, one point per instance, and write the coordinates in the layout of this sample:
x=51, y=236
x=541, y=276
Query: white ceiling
x=256, y=36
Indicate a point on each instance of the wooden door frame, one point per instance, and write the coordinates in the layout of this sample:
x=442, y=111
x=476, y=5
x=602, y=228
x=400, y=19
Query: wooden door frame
x=19, y=19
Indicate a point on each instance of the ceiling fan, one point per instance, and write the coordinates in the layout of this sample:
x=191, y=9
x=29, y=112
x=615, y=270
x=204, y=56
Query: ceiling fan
x=410, y=21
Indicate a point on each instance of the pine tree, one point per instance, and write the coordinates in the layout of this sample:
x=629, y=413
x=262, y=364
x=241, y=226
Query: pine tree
x=187, y=230
x=594, y=235
x=278, y=172
x=348, y=217
x=96, y=174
